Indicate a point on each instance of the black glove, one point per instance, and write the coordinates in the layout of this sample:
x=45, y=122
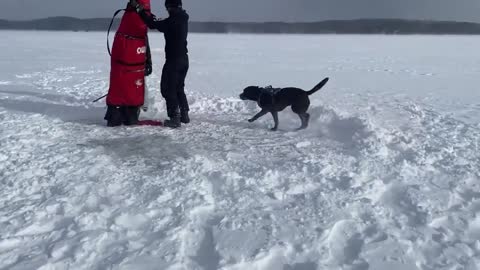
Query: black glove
x=148, y=62
x=136, y=5
x=148, y=68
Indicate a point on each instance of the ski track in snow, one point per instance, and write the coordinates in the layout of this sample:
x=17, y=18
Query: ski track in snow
x=354, y=191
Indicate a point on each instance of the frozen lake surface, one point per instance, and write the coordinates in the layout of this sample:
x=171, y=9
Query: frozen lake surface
x=386, y=177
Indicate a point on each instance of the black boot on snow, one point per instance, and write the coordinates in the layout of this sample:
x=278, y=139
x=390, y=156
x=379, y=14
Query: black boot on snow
x=184, y=118
x=173, y=122
x=114, y=116
x=173, y=113
x=131, y=114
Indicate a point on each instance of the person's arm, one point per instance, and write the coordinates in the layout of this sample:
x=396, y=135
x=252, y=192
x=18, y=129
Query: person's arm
x=149, y=19
x=148, y=63
x=152, y=22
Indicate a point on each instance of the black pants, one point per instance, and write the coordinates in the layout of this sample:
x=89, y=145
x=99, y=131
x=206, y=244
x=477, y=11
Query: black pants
x=118, y=115
x=173, y=85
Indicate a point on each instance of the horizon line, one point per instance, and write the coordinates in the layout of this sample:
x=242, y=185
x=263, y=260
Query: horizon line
x=259, y=22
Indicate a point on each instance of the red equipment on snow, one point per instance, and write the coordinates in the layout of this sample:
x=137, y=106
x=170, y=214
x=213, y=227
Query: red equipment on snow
x=128, y=59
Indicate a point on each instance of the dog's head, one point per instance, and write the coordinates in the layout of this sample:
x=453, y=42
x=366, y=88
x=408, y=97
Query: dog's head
x=251, y=93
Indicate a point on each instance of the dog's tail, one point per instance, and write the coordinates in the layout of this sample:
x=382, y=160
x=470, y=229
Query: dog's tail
x=318, y=86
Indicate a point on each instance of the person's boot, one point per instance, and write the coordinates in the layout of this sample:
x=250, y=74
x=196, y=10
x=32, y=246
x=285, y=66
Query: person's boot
x=114, y=116
x=131, y=114
x=174, y=121
x=184, y=118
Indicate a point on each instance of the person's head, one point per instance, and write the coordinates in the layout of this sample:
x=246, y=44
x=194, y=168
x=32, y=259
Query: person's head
x=172, y=5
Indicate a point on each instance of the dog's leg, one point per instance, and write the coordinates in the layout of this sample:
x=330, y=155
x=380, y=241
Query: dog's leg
x=258, y=115
x=305, y=118
x=275, y=119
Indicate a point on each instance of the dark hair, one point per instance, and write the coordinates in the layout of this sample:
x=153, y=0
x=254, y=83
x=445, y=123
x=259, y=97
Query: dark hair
x=173, y=3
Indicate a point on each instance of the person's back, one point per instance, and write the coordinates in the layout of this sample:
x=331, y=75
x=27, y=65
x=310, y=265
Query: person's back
x=176, y=34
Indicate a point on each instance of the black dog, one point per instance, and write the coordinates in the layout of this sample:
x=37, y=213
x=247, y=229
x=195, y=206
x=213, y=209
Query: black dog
x=273, y=100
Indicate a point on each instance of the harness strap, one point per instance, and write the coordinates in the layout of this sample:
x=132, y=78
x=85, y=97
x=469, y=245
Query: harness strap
x=130, y=64
x=110, y=27
x=130, y=36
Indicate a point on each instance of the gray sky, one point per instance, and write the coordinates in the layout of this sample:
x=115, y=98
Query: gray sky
x=257, y=10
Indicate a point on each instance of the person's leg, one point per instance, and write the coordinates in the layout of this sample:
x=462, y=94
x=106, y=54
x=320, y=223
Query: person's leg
x=114, y=116
x=182, y=97
x=169, y=92
x=131, y=114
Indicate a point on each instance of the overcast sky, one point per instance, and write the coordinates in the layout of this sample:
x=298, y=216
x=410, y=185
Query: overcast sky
x=257, y=10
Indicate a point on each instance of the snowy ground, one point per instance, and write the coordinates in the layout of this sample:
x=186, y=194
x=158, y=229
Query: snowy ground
x=386, y=177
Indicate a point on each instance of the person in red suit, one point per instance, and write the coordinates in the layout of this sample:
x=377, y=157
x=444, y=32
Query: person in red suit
x=130, y=63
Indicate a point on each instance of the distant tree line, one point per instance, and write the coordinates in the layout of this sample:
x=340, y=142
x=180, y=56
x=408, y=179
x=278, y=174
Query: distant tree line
x=361, y=26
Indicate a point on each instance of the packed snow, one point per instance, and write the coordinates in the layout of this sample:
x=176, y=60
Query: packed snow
x=386, y=177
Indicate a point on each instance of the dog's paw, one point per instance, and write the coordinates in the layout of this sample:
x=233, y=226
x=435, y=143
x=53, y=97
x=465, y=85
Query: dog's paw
x=273, y=129
x=251, y=120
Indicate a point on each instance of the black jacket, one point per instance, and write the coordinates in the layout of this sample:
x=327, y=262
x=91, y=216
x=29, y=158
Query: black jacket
x=175, y=29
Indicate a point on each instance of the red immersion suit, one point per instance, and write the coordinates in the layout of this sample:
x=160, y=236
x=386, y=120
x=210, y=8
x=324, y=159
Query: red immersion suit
x=129, y=55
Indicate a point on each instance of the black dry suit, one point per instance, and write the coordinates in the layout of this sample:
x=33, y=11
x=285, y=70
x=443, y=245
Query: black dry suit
x=175, y=29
